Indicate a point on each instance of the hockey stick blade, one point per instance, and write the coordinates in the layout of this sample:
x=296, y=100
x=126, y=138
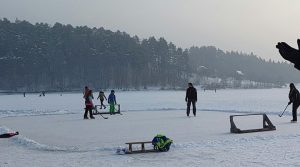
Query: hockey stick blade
x=103, y=116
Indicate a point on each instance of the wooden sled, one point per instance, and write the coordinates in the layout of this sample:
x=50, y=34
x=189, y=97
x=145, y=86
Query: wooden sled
x=142, y=148
x=97, y=109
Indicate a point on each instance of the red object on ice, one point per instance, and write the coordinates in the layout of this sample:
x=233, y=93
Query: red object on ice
x=8, y=135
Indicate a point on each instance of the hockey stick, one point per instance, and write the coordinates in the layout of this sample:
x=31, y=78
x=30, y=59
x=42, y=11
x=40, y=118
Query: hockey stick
x=103, y=116
x=96, y=112
x=280, y=115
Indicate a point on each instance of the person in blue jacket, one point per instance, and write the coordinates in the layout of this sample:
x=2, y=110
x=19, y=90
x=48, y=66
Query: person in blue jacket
x=112, y=102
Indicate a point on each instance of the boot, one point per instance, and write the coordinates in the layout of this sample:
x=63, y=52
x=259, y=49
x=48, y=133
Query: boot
x=91, y=114
x=85, y=115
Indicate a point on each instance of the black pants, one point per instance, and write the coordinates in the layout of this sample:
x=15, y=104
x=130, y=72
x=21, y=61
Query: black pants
x=88, y=109
x=294, y=112
x=101, y=102
x=189, y=106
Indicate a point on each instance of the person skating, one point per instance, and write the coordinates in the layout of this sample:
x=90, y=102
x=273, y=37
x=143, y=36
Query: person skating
x=102, y=97
x=89, y=105
x=191, y=98
x=294, y=97
x=112, y=102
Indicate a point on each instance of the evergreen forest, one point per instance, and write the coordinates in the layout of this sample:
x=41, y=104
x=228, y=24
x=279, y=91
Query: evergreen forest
x=35, y=57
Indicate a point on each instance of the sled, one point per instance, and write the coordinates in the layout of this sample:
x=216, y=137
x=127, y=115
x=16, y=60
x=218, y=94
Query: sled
x=8, y=135
x=97, y=110
x=141, y=149
x=267, y=125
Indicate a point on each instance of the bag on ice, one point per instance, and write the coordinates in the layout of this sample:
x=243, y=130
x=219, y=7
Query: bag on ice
x=121, y=150
x=161, y=143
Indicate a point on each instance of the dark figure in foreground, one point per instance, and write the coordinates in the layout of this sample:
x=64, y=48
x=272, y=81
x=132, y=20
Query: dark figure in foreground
x=89, y=105
x=294, y=97
x=8, y=135
x=191, y=97
x=289, y=53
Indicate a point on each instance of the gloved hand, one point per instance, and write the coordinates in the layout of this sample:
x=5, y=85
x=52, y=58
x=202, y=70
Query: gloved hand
x=289, y=53
x=289, y=103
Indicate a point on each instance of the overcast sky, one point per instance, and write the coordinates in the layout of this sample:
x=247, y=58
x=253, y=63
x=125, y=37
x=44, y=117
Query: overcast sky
x=240, y=25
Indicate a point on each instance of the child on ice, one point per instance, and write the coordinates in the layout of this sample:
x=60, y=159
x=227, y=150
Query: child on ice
x=102, y=97
x=89, y=104
x=112, y=102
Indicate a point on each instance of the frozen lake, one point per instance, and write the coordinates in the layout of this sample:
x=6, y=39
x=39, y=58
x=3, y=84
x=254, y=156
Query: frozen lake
x=230, y=100
x=53, y=132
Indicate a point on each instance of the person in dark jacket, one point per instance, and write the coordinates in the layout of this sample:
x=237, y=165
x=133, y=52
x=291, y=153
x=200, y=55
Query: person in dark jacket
x=294, y=97
x=191, y=98
x=102, y=97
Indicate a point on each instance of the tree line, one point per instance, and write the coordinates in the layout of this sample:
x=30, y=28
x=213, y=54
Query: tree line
x=61, y=57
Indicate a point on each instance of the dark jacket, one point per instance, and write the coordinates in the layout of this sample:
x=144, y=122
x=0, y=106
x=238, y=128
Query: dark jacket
x=294, y=96
x=191, y=94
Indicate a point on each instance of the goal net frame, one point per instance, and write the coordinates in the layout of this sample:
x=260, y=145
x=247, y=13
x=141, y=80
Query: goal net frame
x=267, y=124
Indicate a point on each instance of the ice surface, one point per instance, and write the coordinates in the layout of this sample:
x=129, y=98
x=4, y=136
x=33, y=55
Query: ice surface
x=53, y=132
x=229, y=100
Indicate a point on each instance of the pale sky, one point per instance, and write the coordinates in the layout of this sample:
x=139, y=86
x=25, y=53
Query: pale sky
x=240, y=25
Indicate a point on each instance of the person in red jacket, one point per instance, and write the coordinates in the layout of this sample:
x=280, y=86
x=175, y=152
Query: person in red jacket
x=89, y=105
x=191, y=98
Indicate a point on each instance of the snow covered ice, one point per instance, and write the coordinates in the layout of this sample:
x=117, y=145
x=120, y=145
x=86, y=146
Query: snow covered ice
x=53, y=132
